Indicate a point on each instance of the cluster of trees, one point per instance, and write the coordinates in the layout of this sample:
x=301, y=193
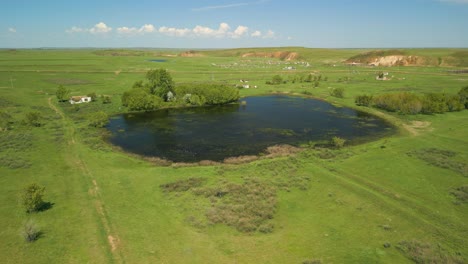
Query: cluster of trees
x=409, y=103
x=209, y=94
x=150, y=95
x=159, y=88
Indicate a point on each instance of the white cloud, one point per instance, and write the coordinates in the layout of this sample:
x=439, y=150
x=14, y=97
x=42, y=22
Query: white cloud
x=289, y=38
x=127, y=30
x=256, y=33
x=12, y=30
x=100, y=28
x=75, y=30
x=221, y=32
x=240, y=31
x=147, y=28
x=177, y=32
x=269, y=34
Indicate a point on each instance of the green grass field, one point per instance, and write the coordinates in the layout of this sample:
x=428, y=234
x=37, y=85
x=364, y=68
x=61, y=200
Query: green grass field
x=387, y=201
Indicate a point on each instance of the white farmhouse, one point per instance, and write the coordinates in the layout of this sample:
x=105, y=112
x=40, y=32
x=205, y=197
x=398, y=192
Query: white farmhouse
x=80, y=99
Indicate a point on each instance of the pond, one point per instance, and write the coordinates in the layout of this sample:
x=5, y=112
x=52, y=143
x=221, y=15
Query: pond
x=218, y=132
x=158, y=60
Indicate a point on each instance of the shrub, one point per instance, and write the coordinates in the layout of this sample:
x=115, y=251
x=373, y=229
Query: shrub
x=33, y=119
x=426, y=253
x=338, y=142
x=276, y=80
x=106, y=99
x=461, y=194
x=463, y=93
x=138, y=99
x=93, y=96
x=209, y=93
x=30, y=231
x=98, y=119
x=31, y=197
x=337, y=92
x=434, y=103
x=363, y=100
x=5, y=121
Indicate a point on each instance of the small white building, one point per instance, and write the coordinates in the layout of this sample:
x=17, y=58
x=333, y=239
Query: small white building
x=80, y=99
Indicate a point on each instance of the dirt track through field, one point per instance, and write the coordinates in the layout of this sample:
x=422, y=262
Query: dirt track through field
x=94, y=190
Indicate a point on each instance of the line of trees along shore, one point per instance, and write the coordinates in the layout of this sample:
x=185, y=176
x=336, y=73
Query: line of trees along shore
x=409, y=103
x=159, y=90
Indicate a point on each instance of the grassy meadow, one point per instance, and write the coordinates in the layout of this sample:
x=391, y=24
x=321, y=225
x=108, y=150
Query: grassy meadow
x=398, y=199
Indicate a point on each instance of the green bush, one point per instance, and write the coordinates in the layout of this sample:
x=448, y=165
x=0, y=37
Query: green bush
x=209, y=93
x=30, y=231
x=5, y=121
x=276, y=80
x=463, y=94
x=338, y=142
x=33, y=119
x=363, y=100
x=434, y=103
x=98, y=119
x=31, y=197
x=138, y=99
x=106, y=99
x=337, y=92
x=93, y=96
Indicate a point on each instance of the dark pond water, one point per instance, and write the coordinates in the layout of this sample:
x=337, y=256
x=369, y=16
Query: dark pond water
x=214, y=133
x=158, y=60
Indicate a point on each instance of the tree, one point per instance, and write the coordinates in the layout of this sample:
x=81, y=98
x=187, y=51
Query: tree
x=33, y=119
x=138, y=99
x=98, y=119
x=62, y=93
x=463, y=93
x=160, y=83
x=31, y=197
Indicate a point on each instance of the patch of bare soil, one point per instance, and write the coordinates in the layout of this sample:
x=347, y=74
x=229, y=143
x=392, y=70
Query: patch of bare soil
x=283, y=55
x=113, y=242
x=190, y=53
x=417, y=127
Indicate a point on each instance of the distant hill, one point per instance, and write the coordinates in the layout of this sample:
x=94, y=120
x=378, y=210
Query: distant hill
x=412, y=57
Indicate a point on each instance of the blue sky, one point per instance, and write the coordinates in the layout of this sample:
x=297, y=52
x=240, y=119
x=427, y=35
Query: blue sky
x=234, y=23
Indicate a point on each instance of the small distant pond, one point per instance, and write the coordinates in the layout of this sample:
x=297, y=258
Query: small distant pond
x=158, y=60
x=217, y=132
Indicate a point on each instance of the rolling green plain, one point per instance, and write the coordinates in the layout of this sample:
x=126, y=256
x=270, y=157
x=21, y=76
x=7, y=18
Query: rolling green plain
x=397, y=199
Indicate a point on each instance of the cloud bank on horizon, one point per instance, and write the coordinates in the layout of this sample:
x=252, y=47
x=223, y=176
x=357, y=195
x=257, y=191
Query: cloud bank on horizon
x=223, y=31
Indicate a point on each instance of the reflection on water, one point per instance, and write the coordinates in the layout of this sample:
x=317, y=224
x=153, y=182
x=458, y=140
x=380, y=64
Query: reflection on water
x=214, y=133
